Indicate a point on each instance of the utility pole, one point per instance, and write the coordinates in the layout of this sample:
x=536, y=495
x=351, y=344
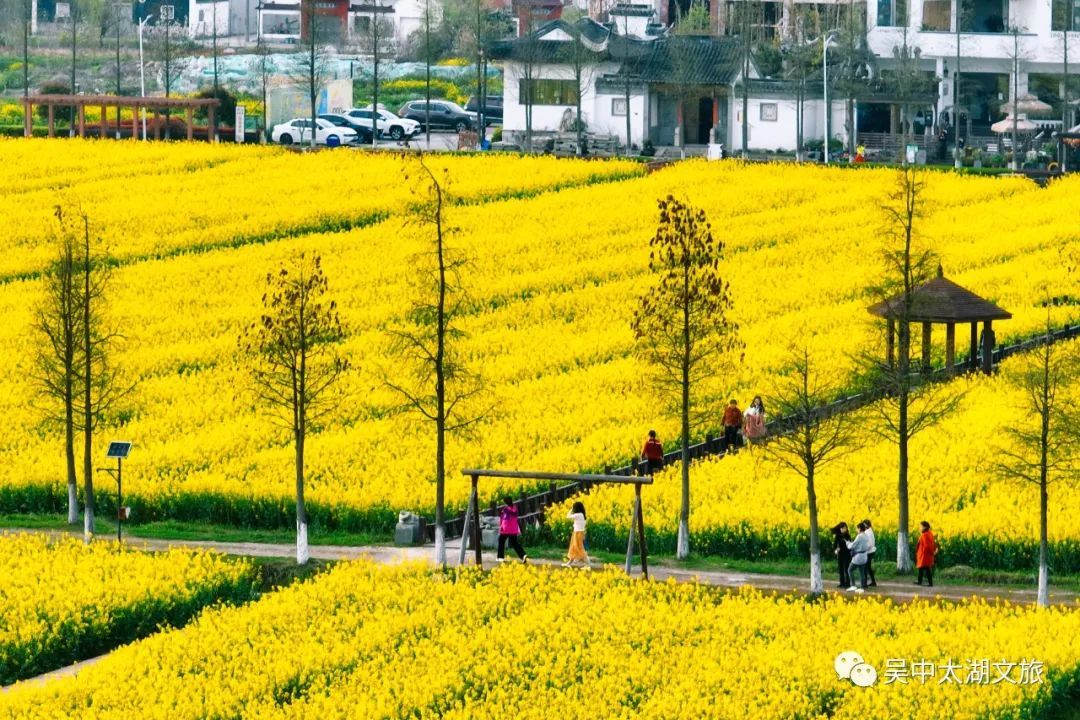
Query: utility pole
x=74, y=42
x=118, y=13
x=958, y=161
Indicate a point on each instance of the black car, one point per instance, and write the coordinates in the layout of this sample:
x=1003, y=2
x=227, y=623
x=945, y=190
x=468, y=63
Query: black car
x=444, y=114
x=493, y=108
x=363, y=132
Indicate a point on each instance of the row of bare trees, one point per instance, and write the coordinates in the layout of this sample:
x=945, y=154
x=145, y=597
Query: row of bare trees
x=683, y=327
x=77, y=380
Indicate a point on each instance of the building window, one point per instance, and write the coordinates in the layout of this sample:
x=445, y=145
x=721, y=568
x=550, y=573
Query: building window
x=618, y=107
x=769, y=112
x=892, y=13
x=1062, y=11
x=548, y=92
x=281, y=23
x=937, y=15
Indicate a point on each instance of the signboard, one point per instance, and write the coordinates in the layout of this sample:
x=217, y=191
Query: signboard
x=909, y=154
x=167, y=12
x=239, y=124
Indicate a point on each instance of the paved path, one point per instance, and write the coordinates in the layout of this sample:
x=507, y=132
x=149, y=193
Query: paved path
x=900, y=591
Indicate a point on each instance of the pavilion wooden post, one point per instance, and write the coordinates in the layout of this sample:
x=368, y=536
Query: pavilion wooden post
x=28, y=118
x=987, y=348
x=210, y=136
x=135, y=122
x=926, y=331
x=82, y=120
x=190, y=124
x=950, y=349
x=52, y=121
x=105, y=121
x=157, y=124
x=973, y=358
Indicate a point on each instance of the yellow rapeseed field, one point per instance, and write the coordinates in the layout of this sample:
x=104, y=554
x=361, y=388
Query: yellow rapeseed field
x=554, y=279
x=368, y=641
x=64, y=600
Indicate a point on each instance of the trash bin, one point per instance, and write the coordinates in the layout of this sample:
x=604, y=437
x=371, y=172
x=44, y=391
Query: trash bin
x=489, y=531
x=333, y=141
x=485, y=144
x=410, y=529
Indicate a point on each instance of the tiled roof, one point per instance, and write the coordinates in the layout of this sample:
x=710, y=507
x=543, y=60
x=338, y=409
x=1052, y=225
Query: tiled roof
x=942, y=300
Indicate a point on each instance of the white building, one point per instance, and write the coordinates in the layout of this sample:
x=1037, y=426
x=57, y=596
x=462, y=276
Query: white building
x=342, y=22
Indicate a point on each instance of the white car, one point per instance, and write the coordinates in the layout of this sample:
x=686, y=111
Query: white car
x=298, y=131
x=388, y=123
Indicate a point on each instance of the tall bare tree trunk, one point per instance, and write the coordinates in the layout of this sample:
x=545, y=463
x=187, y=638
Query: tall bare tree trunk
x=903, y=546
x=88, y=408
x=69, y=453
x=302, y=554
x=682, y=550
x=817, y=584
x=440, y=399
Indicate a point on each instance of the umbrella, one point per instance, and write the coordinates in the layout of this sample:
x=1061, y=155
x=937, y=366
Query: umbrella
x=1028, y=104
x=1006, y=125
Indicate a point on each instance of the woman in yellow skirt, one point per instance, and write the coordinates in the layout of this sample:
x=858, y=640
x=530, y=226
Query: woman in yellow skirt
x=576, y=553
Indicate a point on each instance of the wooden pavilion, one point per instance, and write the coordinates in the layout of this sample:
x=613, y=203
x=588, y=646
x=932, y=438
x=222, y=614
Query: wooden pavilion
x=941, y=301
x=106, y=102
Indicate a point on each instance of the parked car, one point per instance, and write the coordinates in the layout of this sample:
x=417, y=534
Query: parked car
x=363, y=132
x=444, y=114
x=493, y=108
x=299, y=131
x=388, y=123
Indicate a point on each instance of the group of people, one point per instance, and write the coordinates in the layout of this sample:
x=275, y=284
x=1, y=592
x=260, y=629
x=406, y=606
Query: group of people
x=739, y=428
x=510, y=534
x=857, y=554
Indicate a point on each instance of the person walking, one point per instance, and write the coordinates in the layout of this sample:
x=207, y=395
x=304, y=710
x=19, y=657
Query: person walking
x=732, y=423
x=925, y=554
x=841, y=537
x=577, y=553
x=754, y=420
x=653, y=453
x=858, y=548
x=870, y=553
x=510, y=530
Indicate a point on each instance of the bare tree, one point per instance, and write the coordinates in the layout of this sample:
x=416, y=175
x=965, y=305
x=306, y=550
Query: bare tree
x=813, y=436
x=1046, y=446
x=910, y=404
x=213, y=130
x=582, y=60
x=57, y=372
x=437, y=384
x=312, y=64
x=802, y=58
x=528, y=56
x=74, y=59
x=297, y=363
x=682, y=326
x=264, y=68
x=26, y=21
x=908, y=85
x=171, y=70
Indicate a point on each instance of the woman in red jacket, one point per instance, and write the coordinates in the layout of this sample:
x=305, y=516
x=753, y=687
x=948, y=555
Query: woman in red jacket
x=925, y=552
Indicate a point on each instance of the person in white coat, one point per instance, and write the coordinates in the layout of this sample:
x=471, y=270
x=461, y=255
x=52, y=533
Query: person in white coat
x=859, y=548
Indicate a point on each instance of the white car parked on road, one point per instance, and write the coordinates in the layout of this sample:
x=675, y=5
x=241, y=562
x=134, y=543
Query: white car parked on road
x=389, y=124
x=298, y=131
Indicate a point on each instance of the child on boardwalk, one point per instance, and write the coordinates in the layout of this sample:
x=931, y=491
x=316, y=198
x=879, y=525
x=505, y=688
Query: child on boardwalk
x=576, y=553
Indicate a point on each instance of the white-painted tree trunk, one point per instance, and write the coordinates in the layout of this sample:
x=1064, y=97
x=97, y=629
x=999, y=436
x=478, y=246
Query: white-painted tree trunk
x=1043, y=597
x=903, y=553
x=73, y=504
x=440, y=546
x=88, y=524
x=302, y=555
x=682, y=547
x=817, y=584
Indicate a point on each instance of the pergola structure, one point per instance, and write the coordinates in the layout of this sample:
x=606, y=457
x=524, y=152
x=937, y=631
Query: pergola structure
x=105, y=102
x=941, y=301
x=471, y=532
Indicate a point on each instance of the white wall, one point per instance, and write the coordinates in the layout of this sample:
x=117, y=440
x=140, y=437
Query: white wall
x=781, y=133
x=205, y=26
x=595, y=109
x=602, y=120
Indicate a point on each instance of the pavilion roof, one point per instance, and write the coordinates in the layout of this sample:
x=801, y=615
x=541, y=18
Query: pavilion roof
x=941, y=301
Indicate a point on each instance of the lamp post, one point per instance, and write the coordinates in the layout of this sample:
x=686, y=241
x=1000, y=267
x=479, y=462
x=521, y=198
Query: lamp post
x=829, y=37
x=142, y=65
x=119, y=450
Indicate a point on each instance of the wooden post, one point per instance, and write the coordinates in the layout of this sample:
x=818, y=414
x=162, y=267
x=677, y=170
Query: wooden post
x=28, y=118
x=466, y=529
x=134, y=122
x=211, y=137
x=157, y=124
x=82, y=121
x=950, y=349
x=630, y=542
x=890, y=344
x=641, y=532
x=190, y=123
x=476, y=520
x=926, y=346
x=973, y=358
x=52, y=120
x=987, y=348
x=105, y=123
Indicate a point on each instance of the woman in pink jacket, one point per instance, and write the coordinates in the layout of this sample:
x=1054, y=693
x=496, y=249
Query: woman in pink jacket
x=510, y=529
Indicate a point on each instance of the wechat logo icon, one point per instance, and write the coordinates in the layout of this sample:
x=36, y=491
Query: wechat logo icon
x=850, y=665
